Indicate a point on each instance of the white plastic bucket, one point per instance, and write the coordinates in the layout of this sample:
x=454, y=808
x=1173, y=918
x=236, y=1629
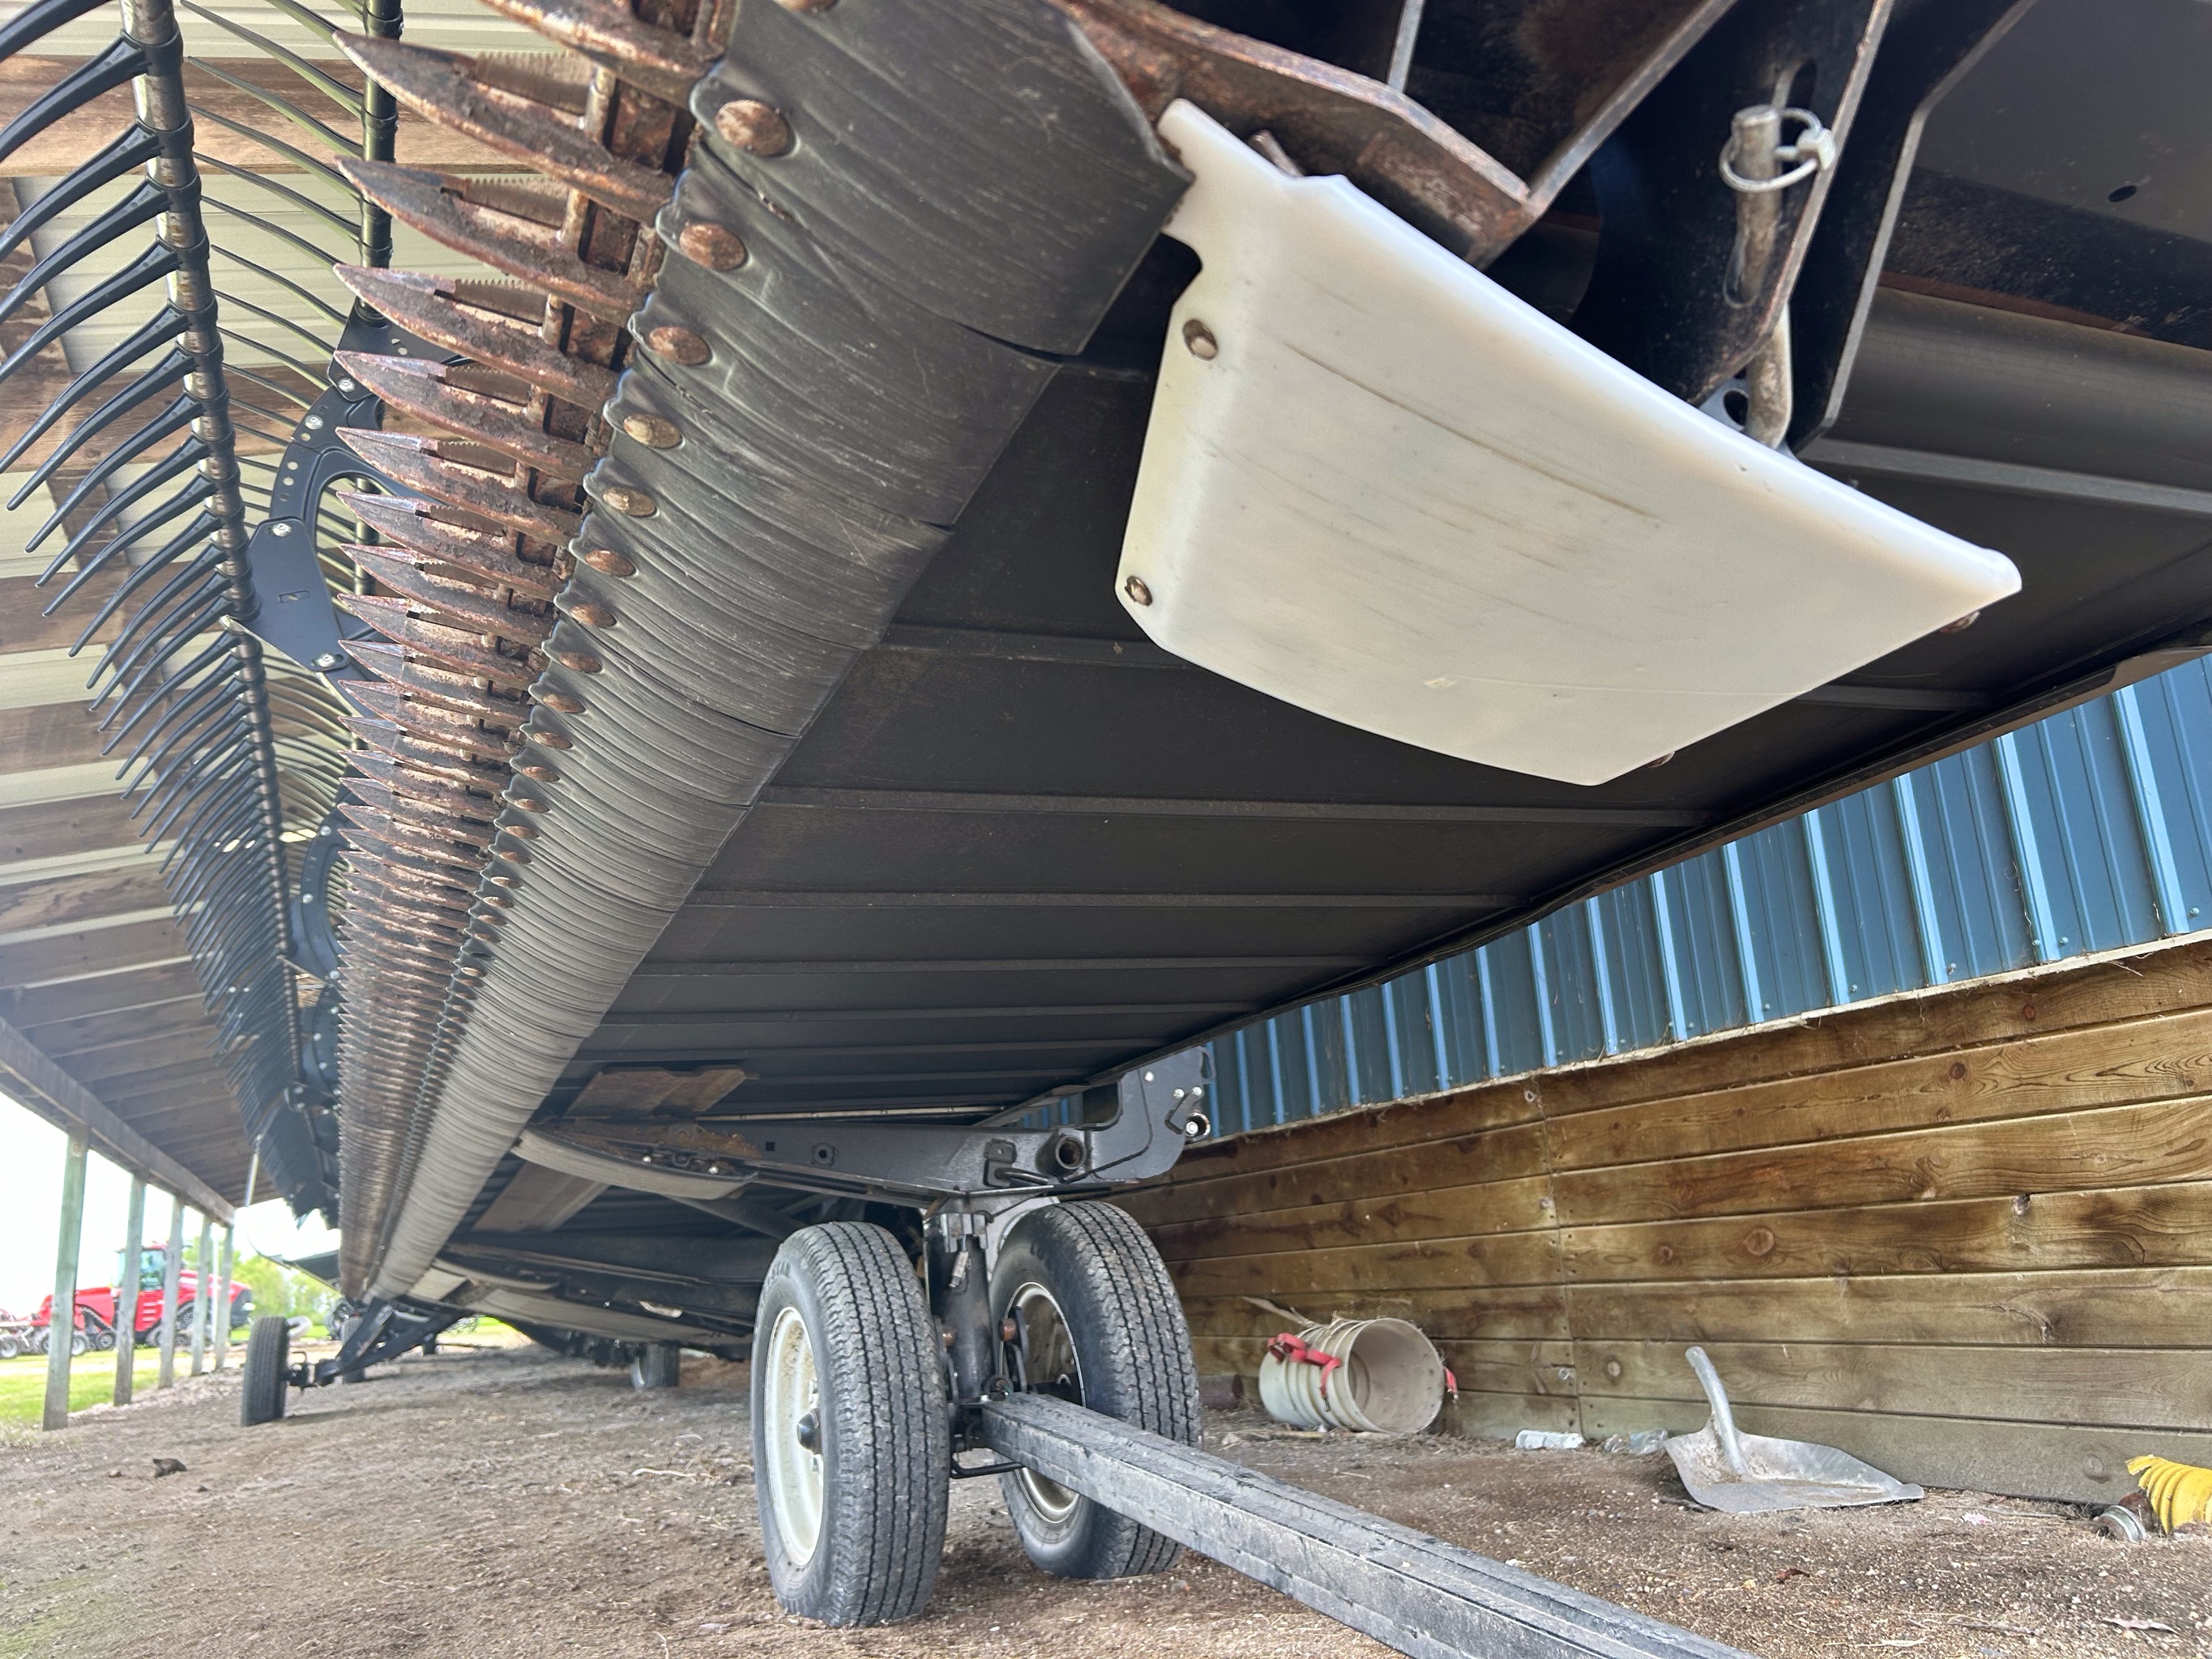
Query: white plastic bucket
x=1387, y=1377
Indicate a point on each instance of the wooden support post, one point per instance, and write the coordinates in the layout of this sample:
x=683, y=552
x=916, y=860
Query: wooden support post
x=62, y=1329
x=126, y=1293
x=203, y=1292
x=222, y=1299
x=1411, y=1592
x=171, y=1267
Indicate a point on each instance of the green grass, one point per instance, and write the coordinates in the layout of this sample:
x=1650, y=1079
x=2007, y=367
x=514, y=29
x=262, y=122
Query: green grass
x=92, y=1379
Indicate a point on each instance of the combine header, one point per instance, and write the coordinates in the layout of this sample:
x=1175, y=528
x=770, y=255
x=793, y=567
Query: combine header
x=927, y=556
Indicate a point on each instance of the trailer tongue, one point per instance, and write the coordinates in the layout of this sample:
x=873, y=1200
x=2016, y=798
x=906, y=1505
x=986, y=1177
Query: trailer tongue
x=1413, y=1593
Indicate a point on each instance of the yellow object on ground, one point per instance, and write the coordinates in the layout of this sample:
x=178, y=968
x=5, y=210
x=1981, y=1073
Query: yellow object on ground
x=2179, y=1492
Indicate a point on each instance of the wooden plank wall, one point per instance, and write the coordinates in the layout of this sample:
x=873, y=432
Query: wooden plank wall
x=1965, y=1234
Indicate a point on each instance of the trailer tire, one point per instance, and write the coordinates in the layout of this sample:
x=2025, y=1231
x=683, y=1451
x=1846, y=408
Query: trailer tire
x=852, y=1446
x=656, y=1365
x=1101, y=1324
x=268, y=1357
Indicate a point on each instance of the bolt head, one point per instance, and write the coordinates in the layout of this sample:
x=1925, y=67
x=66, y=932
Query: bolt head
x=633, y=502
x=583, y=662
x=654, y=431
x=348, y=385
x=1139, y=592
x=313, y=423
x=552, y=739
x=1197, y=339
x=561, y=702
x=328, y=659
x=752, y=126
x=608, y=562
x=281, y=527
x=592, y=614
x=678, y=345
x=715, y=247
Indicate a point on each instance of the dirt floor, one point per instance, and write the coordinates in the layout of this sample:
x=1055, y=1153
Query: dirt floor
x=498, y=1502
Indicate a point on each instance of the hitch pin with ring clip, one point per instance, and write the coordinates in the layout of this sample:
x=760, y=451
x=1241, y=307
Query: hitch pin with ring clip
x=1758, y=167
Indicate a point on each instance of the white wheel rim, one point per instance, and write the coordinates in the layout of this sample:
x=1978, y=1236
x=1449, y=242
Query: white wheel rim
x=792, y=1390
x=1051, y=1359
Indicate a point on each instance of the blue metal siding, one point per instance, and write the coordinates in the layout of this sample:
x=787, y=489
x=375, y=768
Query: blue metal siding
x=2089, y=830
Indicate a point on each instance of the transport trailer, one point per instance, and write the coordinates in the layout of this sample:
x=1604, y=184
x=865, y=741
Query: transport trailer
x=953, y=549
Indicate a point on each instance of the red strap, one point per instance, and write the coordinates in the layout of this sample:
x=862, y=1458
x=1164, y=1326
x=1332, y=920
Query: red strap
x=1292, y=1351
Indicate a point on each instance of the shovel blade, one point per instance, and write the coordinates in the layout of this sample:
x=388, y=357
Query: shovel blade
x=1780, y=1475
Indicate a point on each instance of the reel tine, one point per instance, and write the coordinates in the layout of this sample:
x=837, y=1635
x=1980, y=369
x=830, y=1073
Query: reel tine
x=35, y=23
x=123, y=60
x=131, y=148
x=151, y=266
x=158, y=379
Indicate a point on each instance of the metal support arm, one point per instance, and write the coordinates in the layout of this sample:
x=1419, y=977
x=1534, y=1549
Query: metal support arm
x=1158, y=1110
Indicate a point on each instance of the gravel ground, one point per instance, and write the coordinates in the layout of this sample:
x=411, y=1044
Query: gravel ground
x=498, y=1502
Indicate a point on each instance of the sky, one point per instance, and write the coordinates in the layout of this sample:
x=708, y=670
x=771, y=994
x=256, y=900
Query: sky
x=31, y=1151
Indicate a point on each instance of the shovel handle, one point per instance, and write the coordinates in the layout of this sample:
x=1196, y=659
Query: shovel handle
x=1723, y=1419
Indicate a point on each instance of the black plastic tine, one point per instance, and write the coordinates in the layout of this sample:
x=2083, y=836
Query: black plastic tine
x=321, y=255
x=283, y=281
x=307, y=18
x=154, y=643
x=157, y=827
x=220, y=932
x=181, y=412
x=203, y=745
x=284, y=107
x=144, y=204
x=347, y=227
x=277, y=428
x=279, y=319
x=35, y=21
x=322, y=169
x=276, y=388
x=203, y=831
x=180, y=582
x=191, y=772
x=192, y=775
x=308, y=372
x=329, y=85
x=153, y=623
x=145, y=573
x=189, y=753
x=172, y=711
x=217, y=878
x=200, y=844
x=211, y=686
x=131, y=148
x=154, y=698
x=203, y=525
x=155, y=381
x=194, y=493
x=151, y=266
x=161, y=556
x=123, y=60
x=211, y=879
x=164, y=326
x=157, y=644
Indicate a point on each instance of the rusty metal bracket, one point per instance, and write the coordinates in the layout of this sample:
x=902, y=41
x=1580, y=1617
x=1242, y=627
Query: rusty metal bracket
x=1330, y=119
